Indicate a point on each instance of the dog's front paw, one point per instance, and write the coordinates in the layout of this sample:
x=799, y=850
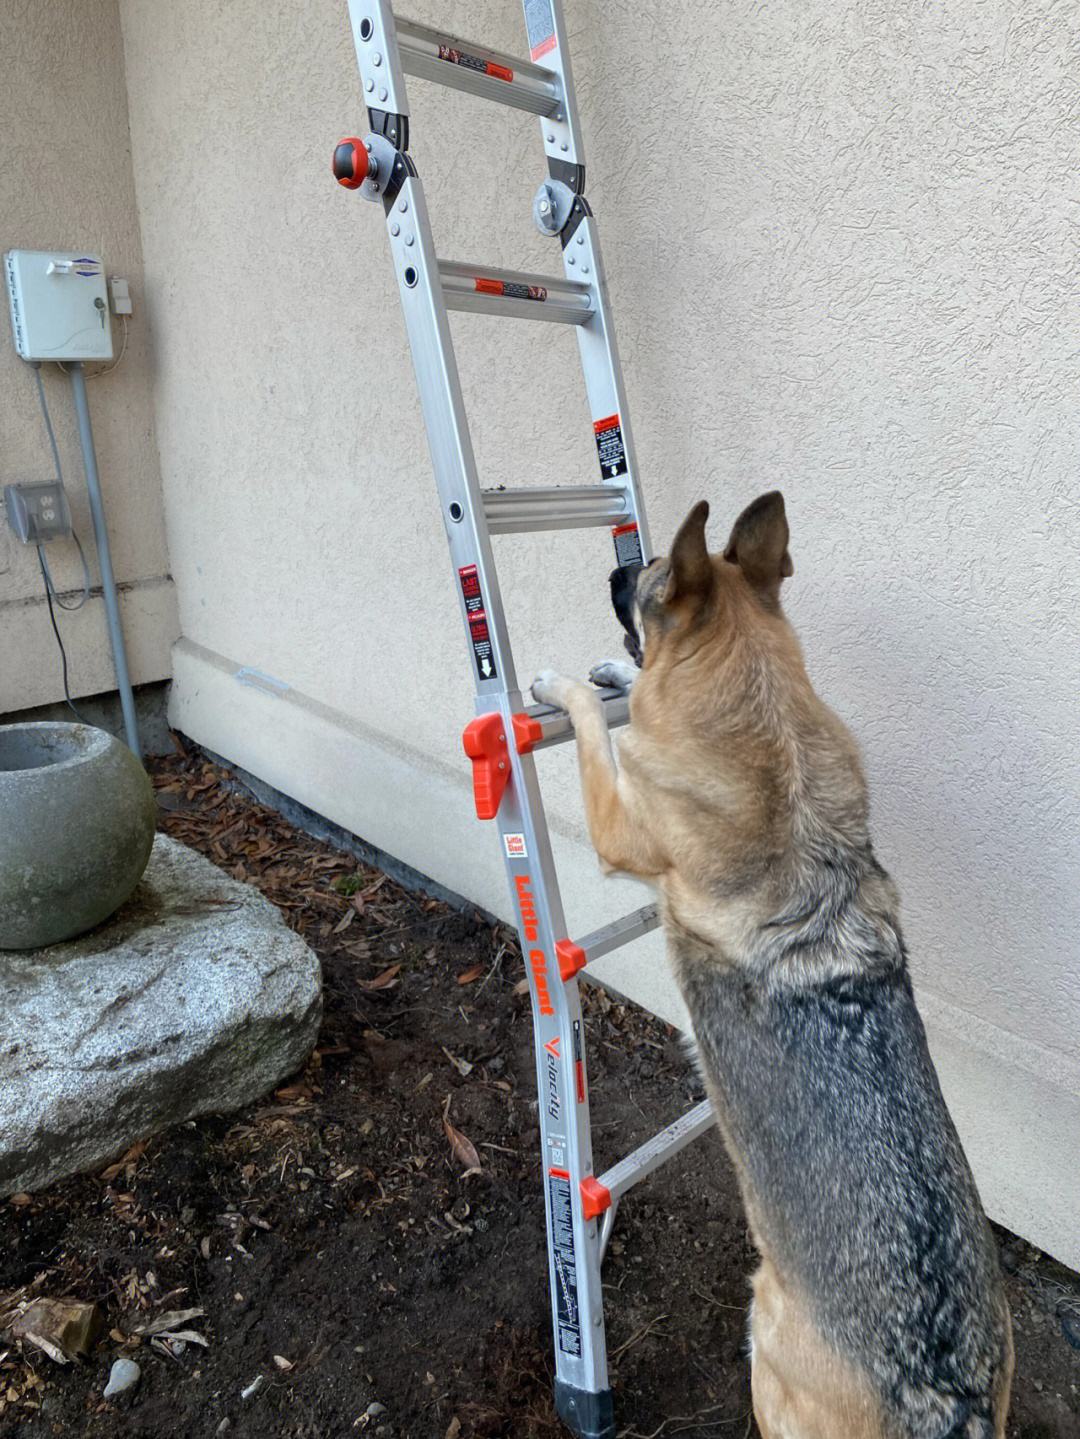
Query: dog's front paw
x=550, y=688
x=613, y=674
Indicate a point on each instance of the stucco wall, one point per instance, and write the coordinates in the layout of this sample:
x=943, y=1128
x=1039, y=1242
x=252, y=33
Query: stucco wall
x=849, y=272
x=66, y=182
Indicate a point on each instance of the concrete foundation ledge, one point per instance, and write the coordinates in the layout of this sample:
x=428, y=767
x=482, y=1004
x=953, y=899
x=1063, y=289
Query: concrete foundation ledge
x=193, y=998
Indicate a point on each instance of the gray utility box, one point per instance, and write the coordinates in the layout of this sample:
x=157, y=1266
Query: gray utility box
x=59, y=305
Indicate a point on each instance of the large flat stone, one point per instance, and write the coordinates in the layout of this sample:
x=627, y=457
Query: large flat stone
x=194, y=998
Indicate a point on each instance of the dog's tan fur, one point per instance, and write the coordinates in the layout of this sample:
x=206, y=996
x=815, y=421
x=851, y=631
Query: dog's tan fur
x=730, y=771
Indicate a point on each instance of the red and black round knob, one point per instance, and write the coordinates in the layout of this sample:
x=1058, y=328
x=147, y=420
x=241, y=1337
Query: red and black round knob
x=352, y=164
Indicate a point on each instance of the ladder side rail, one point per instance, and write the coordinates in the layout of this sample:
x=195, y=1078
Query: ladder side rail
x=602, y=372
x=574, y=1254
x=561, y=132
x=382, y=74
x=438, y=383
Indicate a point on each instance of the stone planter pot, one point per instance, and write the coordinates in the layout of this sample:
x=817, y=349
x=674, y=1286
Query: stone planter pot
x=77, y=816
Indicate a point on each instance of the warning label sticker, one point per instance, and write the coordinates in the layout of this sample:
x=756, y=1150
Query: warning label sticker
x=511, y=289
x=541, y=25
x=579, y=1063
x=610, y=447
x=479, y=636
x=474, y=62
x=568, y=1317
x=627, y=545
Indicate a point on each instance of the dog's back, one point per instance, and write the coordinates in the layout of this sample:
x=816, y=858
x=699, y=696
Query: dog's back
x=857, y=1190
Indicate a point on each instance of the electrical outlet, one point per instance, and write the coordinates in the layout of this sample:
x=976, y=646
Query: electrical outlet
x=38, y=512
x=120, y=295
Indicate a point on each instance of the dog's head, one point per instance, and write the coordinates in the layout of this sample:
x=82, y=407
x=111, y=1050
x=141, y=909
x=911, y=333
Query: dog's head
x=665, y=603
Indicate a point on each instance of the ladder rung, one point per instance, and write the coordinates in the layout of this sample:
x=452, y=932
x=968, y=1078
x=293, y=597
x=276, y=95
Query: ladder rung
x=655, y=1151
x=619, y=932
x=433, y=55
x=555, y=727
x=557, y=507
x=522, y=296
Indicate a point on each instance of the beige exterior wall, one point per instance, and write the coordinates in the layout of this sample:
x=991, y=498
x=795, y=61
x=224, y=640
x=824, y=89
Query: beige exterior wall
x=66, y=182
x=851, y=274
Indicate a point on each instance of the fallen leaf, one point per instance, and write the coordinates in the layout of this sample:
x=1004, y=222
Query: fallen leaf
x=21, y=1200
x=130, y=1157
x=522, y=987
x=462, y=1146
x=453, y=1429
x=467, y=976
x=168, y=1321
x=290, y=1092
x=282, y=1362
x=382, y=981
x=185, y=1336
x=343, y=924
x=347, y=884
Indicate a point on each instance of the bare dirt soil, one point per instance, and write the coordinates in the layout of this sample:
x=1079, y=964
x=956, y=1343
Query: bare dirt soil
x=345, y=1262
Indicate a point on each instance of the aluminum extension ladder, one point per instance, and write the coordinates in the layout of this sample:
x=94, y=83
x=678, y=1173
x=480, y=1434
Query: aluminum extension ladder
x=506, y=733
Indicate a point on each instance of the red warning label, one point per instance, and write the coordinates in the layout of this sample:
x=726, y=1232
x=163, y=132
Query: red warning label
x=610, y=447
x=510, y=288
x=627, y=545
x=479, y=635
x=474, y=62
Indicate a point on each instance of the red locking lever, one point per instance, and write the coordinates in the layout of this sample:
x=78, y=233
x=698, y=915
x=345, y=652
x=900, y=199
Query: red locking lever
x=485, y=744
x=352, y=164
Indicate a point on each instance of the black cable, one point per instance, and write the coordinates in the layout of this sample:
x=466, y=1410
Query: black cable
x=59, y=641
x=43, y=402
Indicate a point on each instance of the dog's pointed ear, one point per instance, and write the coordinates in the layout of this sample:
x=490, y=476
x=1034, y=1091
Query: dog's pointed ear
x=691, y=569
x=759, y=544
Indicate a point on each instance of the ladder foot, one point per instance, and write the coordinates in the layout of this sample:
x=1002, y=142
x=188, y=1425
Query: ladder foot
x=588, y=1414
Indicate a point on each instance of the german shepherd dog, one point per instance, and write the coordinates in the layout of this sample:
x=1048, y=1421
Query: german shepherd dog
x=878, y=1309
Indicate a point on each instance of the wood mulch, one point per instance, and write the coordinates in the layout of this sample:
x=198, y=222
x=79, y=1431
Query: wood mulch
x=363, y=1250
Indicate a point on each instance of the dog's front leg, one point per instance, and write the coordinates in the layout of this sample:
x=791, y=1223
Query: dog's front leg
x=621, y=839
x=614, y=674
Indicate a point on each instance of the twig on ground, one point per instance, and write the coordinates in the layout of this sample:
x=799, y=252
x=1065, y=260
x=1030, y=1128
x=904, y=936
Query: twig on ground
x=637, y=1338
